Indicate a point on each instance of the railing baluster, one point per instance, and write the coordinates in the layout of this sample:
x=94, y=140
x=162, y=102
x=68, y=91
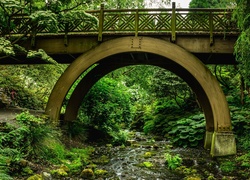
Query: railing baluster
x=136, y=22
x=211, y=27
x=101, y=19
x=66, y=34
x=173, y=23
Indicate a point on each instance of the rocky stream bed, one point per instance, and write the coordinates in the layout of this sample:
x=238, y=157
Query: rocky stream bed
x=144, y=159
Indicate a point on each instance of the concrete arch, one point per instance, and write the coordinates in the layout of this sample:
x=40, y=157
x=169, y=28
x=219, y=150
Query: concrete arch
x=182, y=63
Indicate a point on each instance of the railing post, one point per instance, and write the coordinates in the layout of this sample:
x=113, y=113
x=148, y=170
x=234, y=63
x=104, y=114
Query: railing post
x=33, y=35
x=211, y=28
x=173, y=23
x=136, y=22
x=101, y=19
x=66, y=34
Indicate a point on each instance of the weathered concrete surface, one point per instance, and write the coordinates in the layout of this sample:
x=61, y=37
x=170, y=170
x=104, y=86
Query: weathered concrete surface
x=208, y=139
x=223, y=144
x=220, y=52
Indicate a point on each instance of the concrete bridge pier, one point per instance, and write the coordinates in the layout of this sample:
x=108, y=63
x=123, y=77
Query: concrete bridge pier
x=219, y=137
x=220, y=143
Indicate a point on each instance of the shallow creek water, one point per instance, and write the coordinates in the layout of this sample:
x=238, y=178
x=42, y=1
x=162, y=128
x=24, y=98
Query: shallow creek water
x=127, y=163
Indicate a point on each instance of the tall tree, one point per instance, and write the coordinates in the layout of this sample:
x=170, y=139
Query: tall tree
x=242, y=15
x=211, y=3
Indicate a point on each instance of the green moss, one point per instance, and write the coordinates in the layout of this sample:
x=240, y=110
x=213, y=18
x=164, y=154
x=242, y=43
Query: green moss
x=192, y=178
x=211, y=177
x=102, y=160
x=27, y=170
x=65, y=168
x=59, y=172
x=148, y=164
x=227, y=166
x=147, y=155
x=100, y=172
x=35, y=177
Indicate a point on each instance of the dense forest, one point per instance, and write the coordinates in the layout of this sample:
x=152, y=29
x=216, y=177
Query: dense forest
x=141, y=98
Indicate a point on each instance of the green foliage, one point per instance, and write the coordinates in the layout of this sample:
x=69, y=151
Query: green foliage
x=173, y=161
x=160, y=116
x=45, y=19
x=240, y=120
x=211, y=3
x=149, y=126
x=120, y=4
x=6, y=47
x=244, y=140
x=70, y=17
x=31, y=137
x=106, y=107
x=166, y=84
x=120, y=137
x=242, y=15
x=34, y=139
x=31, y=83
x=75, y=159
x=40, y=53
x=244, y=160
x=7, y=158
x=228, y=166
x=188, y=131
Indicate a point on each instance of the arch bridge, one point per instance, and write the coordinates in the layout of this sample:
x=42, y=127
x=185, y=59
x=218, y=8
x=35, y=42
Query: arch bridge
x=179, y=40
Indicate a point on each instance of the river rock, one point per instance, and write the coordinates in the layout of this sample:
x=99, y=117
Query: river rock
x=46, y=176
x=35, y=177
x=87, y=173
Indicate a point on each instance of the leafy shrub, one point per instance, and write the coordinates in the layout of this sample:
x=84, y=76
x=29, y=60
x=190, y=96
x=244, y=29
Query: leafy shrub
x=119, y=138
x=244, y=160
x=76, y=159
x=8, y=157
x=188, y=131
x=244, y=141
x=149, y=126
x=106, y=107
x=173, y=161
x=240, y=120
x=34, y=138
x=227, y=166
x=162, y=115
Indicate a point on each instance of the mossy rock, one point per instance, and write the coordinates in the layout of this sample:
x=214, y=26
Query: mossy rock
x=87, y=173
x=102, y=160
x=27, y=170
x=147, y=155
x=65, y=168
x=192, y=178
x=100, y=172
x=35, y=177
x=59, y=172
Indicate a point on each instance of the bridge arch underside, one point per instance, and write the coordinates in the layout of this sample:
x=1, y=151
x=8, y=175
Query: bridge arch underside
x=126, y=51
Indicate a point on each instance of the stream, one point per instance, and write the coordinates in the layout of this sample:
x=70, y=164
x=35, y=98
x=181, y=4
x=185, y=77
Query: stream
x=130, y=162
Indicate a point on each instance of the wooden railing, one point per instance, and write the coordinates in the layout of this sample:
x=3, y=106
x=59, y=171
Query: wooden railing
x=169, y=21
